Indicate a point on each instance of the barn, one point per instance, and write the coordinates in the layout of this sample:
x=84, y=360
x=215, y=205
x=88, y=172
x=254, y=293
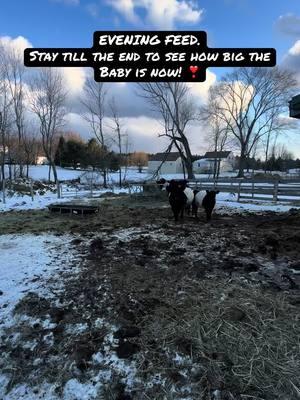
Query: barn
x=166, y=163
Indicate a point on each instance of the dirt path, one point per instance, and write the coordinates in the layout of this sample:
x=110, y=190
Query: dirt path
x=164, y=310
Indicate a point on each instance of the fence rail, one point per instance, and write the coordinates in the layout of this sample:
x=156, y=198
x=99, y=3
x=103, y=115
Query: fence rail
x=246, y=189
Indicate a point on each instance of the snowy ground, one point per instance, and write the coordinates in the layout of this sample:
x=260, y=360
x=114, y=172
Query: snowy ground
x=25, y=202
x=40, y=173
x=28, y=263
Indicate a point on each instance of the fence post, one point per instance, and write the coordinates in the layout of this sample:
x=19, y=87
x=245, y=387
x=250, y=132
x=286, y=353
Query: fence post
x=275, y=193
x=129, y=189
x=252, y=189
x=58, y=189
x=3, y=191
x=31, y=191
x=239, y=191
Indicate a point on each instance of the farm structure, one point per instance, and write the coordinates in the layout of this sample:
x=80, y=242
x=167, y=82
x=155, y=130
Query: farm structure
x=165, y=163
x=222, y=160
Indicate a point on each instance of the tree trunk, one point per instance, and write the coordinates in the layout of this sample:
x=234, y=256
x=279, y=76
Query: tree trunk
x=120, y=177
x=104, y=178
x=189, y=168
x=10, y=171
x=188, y=158
x=54, y=171
x=218, y=169
x=242, y=163
x=3, y=170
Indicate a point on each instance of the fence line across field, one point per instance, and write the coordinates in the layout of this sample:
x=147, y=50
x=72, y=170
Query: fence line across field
x=245, y=189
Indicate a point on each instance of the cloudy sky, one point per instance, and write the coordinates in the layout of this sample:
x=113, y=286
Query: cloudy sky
x=229, y=23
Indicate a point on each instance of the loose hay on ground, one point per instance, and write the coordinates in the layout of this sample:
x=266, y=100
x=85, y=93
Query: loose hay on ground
x=206, y=321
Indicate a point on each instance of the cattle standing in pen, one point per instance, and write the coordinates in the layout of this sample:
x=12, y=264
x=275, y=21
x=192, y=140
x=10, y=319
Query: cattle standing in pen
x=180, y=196
x=205, y=199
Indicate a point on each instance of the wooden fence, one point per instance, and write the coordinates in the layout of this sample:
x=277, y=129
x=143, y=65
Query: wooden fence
x=243, y=189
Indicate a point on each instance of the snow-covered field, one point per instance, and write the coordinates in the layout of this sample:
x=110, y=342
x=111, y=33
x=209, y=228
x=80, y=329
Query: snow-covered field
x=40, y=173
x=41, y=201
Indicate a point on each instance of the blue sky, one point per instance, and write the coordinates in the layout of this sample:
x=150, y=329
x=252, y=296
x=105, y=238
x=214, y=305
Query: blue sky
x=71, y=23
x=229, y=23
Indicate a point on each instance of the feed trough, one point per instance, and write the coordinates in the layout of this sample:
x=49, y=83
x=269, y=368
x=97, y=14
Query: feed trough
x=70, y=208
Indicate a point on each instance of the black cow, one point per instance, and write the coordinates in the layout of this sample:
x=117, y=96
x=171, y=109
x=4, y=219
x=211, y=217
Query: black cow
x=180, y=196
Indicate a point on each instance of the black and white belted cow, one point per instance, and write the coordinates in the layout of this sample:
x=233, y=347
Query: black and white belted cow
x=205, y=199
x=181, y=197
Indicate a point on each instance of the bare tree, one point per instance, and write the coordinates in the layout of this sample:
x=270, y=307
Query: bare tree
x=5, y=114
x=249, y=101
x=117, y=137
x=12, y=60
x=31, y=146
x=218, y=135
x=48, y=98
x=93, y=101
x=174, y=105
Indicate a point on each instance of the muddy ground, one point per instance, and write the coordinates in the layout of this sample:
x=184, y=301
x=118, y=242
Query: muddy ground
x=165, y=310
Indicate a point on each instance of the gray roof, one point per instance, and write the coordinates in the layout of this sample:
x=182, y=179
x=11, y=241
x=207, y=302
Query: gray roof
x=217, y=154
x=172, y=156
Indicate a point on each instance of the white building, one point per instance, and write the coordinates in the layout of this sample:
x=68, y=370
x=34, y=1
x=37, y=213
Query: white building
x=41, y=160
x=205, y=164
x=167, y=163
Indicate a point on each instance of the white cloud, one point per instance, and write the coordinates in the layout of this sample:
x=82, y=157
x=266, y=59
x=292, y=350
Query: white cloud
x=292, y=59
x=74, y=78
x=142, y=131
x=161, y=14
x=126, y=8
x=18, y=44
x=295, y=50
x=288, y=24
x=200, y=89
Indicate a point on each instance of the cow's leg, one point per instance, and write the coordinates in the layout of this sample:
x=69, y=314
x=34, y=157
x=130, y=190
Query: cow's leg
x=195, y=210
x=208, y=214
x=181, y=212
x=175, y=212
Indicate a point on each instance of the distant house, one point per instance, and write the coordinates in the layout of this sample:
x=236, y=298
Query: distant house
x=206, y=163
x=41, y=160
x=167, y=163
x=3, y=149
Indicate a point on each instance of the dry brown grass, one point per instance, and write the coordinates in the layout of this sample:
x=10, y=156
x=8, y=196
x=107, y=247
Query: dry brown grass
x=246, y=345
